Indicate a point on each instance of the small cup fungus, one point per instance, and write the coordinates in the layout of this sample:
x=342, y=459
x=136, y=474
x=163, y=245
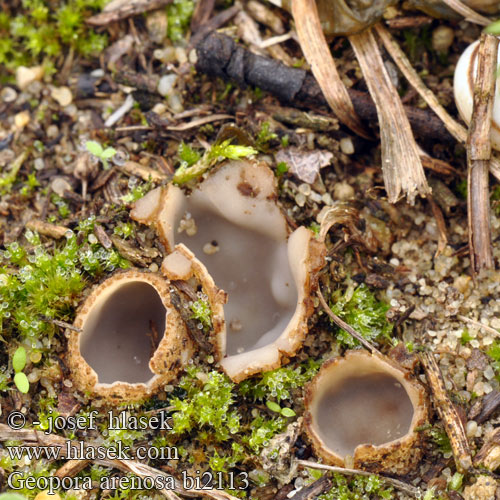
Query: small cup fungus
x=362, y=410
x=463, y=86
x=230, y=233
x=130, y=339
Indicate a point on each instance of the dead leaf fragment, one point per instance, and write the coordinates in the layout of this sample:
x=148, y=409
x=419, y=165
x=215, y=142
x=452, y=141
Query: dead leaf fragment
x=304, y=164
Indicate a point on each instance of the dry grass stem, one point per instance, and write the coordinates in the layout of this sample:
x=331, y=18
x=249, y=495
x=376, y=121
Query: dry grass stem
x=399, y=57
x=143, y=172
x=479, y=154
x=349, y=329
x=401, y=165
x=400, y=485
x=317, y=53
x=32, y=437
x=447, y=413
x=457, y=130
x=47, y=229
x=124, y=11
x=473, y=322
x=467, y=12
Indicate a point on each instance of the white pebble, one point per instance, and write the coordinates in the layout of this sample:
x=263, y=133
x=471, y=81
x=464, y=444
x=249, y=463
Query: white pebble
x=346, y=146
x=166, y=84
x=471, y=428
x=62, y=95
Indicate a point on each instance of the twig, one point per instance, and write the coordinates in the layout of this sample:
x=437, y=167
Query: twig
x=127, y=105
x=400, y=485
x=486, y=328
x=315, y=489
x=401, y=166
x=349, y=329
x=47, y=229
x=214, y=23
x=441, y=225
x=317, y=53
x=125, y=10
x=447, y=413
x=142, y=171
x=467, y=12
x=219, y=55
x=479, y=154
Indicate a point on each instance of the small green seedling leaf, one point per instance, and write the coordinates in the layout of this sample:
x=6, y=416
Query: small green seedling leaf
x=288, y=412
x=19, y=359
x=108, y=153
x=94, y=147
x=21, y=381
x=273, y=406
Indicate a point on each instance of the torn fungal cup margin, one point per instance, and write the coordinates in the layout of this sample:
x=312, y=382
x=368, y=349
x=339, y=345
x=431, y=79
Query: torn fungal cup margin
x=267, y=274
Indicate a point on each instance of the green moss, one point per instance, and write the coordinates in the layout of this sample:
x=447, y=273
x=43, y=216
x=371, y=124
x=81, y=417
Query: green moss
x=202, y=312
x=218, y=152
x=208, y=405
x=494, y=353
x=361, y=310
x=35, y=31
x=357, y=488
x=179, y=16
x=278, y=384
x=38, y=285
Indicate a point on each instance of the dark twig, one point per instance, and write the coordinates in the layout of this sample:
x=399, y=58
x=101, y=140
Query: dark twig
x=219, y=55
x=479, y=154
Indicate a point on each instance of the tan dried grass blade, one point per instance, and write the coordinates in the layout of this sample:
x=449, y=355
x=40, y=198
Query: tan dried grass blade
x=317, y=53
x=399, y=57
x=456, y=129
x=401, y=165
x=467, y=12
x=447, y=413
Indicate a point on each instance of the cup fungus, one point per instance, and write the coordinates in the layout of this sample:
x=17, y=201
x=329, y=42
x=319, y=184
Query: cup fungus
x=463, y=86
x=130, y=339
x=364, y=409
x=230, y=233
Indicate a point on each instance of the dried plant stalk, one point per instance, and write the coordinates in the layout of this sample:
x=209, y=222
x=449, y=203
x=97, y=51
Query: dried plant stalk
x=467, y=12
x=489, y=455
x=479, y=155
x=400, y=485
x=317, y=53
x=399, y=57
x=401, y=165
x=31, y=437
x=454, y=128
x=447, y=413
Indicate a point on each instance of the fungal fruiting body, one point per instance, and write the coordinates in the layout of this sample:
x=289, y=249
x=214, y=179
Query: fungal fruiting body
x=230, y=234
x=129, y=339
x=463, y=86
x=363, y=410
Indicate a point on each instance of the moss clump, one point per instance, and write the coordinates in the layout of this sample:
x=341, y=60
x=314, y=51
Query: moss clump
x=179, y=15
x=35, y=31
x=356, y=488
x=361, y=310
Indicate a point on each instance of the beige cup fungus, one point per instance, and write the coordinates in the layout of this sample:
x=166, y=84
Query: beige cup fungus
x=128, y=340
x=229, y=234
x=363, y=411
